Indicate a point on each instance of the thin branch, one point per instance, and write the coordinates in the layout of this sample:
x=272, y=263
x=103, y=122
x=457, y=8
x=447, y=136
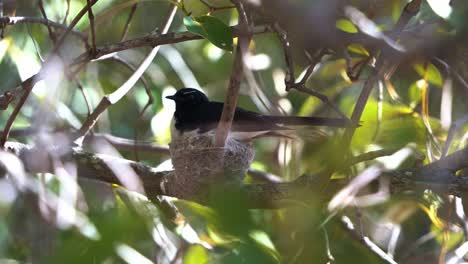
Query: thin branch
x=365, y=241
x=49, y=29
x=91, y=24
x=128, y=144
x=359, y=107
x=35, y=20
x=230, y=102
x=118, y=94
x=321, y=97
x=150, y=101
x=290, y=75
x=457, y=125
x=290, y=79
x=66, y=13
x=371, y=155
x=153, y=40
x=132, y=68
x=410, y=10
x=129, y=20
x=86, y=100
x=216, y=8
x=369, y=84
x=75, y=21
x=27, y=86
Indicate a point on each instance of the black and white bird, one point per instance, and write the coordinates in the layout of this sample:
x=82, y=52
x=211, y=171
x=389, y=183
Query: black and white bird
x=196, y=113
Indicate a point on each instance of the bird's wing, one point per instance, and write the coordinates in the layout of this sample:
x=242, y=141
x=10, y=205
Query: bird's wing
x=244, y=121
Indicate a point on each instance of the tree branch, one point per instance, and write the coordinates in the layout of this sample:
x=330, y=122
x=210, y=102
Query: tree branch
x=126, y=87
x=230, y=102
x=271, y=195
x=36, y=20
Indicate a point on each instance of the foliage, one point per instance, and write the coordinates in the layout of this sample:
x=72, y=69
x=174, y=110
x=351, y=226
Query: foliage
x=413, y=106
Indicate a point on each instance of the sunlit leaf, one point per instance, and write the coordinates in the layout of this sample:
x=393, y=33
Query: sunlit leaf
x=346, y=26
x=441, y=7
x=415, y=94
x=430, y=73
x=263, y=239
x=196, y=7
x=212, y=29
x=359, y=49
x=447, y=238
x=196, y=254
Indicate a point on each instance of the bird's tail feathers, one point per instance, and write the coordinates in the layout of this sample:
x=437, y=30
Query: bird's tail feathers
x=310, y=121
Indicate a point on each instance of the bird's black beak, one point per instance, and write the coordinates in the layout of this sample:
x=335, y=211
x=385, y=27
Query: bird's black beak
x=172, y=97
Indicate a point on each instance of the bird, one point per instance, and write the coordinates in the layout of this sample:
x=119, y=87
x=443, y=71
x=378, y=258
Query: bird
x=195, y=113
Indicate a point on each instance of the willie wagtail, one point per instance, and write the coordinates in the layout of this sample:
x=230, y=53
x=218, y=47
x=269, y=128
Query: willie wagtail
x=195, y=113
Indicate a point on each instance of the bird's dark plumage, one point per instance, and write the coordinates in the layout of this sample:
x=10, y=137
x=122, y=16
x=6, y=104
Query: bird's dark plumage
x=195, y=112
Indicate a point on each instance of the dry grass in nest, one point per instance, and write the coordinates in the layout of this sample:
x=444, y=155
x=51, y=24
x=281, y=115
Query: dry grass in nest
x=197, y=162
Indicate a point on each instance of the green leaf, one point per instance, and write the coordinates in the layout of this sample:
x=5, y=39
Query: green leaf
x=196, y=7
x=359, y=49
x=212, y=29
x=196, y=254
x=415, y=94
x=429, y=73
x=346, y=26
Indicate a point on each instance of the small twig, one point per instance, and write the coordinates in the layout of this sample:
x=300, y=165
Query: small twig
x=230, y=102
x=66, y=13
x=49, y=29
x=27, y=86
x=359, y=107
x=91, y=24
x=129, y=20
x=132, y=68
x=75, y=21
x=153, y=40
x=216, y=8
x=36, y=46
x=128, y=144
x=290, y=75
x=379, y=70
x=371, y=155
x=322, y=98
x=35, y=20
x=117, y=58
x=451, y=133
x=290, y=80
x=379, y=110
x=409, y=11
x=81, y=88
x=126, y=87
x=349, y=227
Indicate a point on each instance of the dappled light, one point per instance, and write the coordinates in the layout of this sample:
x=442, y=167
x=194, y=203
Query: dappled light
x=233, y=131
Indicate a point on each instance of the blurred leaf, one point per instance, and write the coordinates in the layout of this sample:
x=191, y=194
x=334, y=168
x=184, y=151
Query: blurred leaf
x=196, y=254
x=212, y=29
x=430, y=73
x=415, y=94
x=447, y=238
x=196, y=7
x=359, y=49
x=441, y=7
x=4, y=44
x=397, y=128
x=346, y=26
x=263, y=239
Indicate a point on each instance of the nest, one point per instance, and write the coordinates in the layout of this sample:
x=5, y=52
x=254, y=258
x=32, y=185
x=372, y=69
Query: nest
x=198, y=163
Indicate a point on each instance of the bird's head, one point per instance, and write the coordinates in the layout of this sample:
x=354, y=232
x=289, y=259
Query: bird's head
x=188, y=97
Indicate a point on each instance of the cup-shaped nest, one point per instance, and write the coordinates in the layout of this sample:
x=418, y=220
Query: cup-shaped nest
x=198, y=163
